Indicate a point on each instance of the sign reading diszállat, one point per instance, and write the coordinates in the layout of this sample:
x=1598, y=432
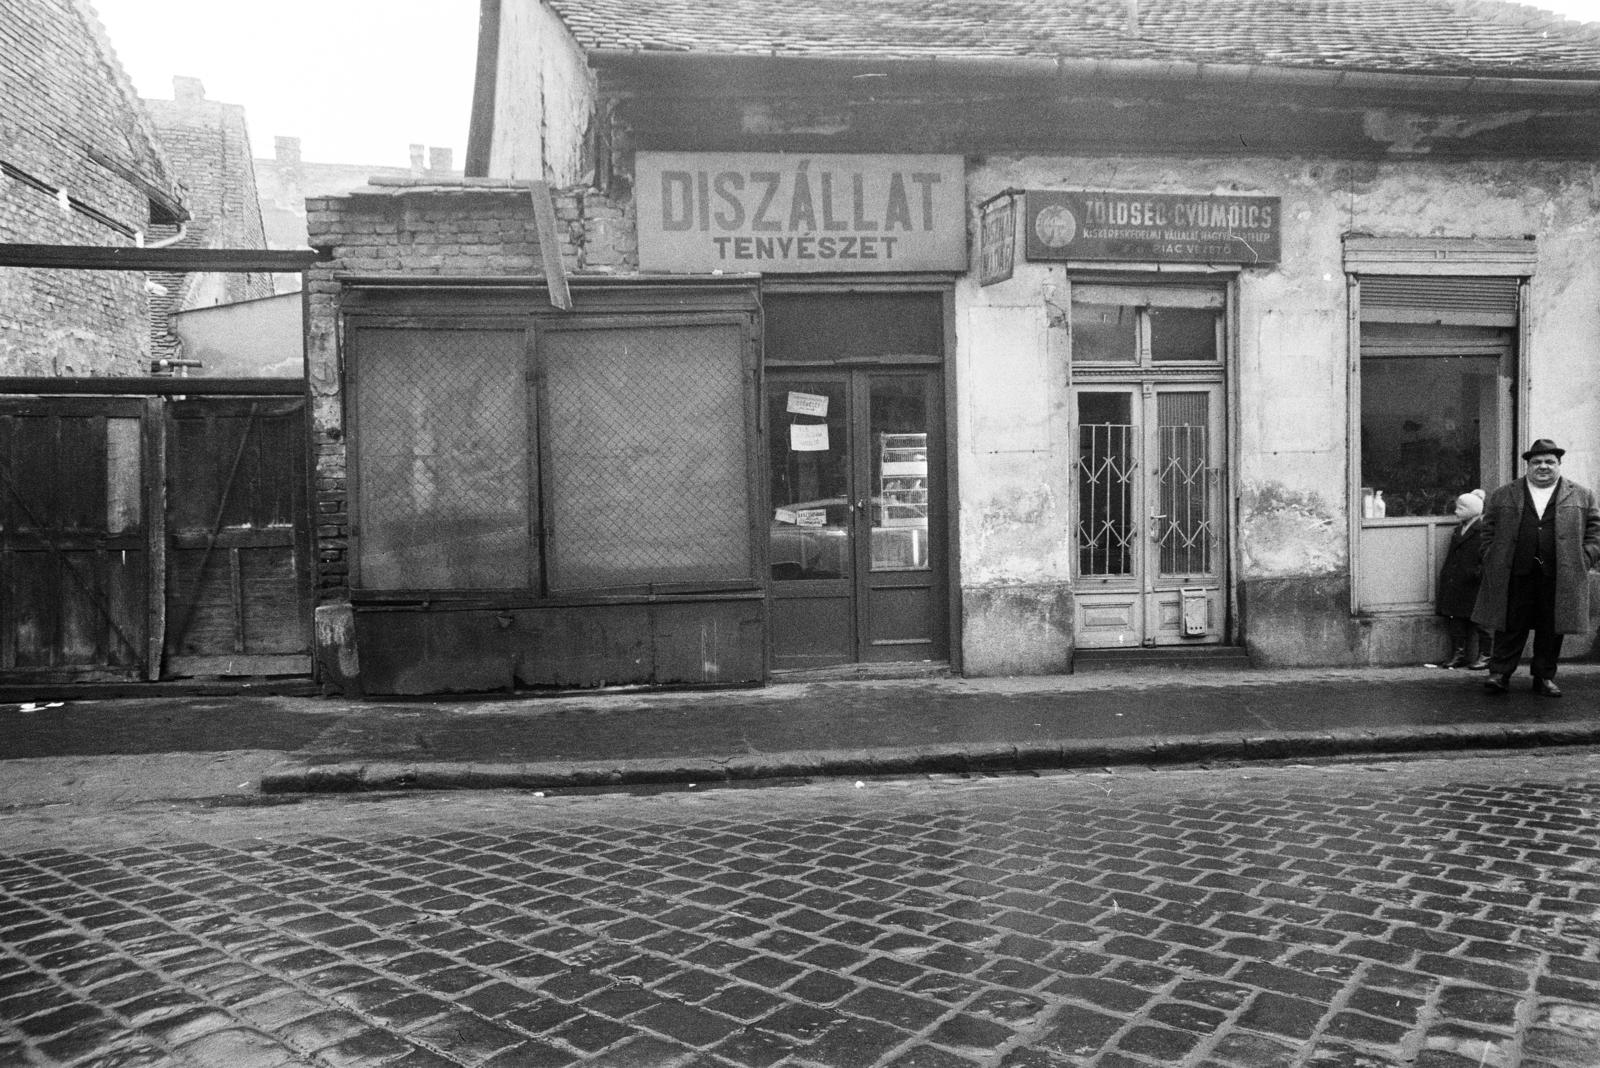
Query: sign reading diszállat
x=777, y=212
x=1158, y=227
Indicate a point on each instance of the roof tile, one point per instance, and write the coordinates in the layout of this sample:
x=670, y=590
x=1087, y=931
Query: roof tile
x=1460, y=37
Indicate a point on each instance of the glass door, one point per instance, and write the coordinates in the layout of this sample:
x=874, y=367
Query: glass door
x=1148, y=484
x=856, y=547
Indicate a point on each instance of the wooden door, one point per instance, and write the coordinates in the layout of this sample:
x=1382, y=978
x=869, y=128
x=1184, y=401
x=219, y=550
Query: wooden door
x=74, y=561
x=238, y=593
x=856, y=537
x=1149, y=477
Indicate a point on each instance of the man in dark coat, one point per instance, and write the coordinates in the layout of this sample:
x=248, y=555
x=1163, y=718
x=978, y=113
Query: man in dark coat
x=1541, y=535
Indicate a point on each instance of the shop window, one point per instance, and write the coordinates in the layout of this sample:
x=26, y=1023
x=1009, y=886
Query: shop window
x=605, y=454
x=1436, y=362
x=443, y=460
x=644, y=453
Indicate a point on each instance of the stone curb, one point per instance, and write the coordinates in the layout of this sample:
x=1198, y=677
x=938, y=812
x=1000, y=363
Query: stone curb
x=354, y=777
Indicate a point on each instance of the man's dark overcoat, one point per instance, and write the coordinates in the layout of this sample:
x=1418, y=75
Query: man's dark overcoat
x=1577, y=550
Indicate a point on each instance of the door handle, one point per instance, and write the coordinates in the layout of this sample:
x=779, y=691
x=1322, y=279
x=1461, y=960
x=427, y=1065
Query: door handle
x=1155, y=525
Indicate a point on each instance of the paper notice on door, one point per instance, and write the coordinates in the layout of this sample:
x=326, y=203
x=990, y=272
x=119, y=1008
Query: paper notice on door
x=786, y=515
x=808, y=437
x=812, y=517
x=808, y=404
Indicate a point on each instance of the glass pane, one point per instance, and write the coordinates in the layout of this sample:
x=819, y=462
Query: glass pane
x=818, y=327
x=645, y=456
x=901, y=475
x=1105, y=333
x=1183, y=334
x=1106, y=467
x=809, y=479
x=1186, y=529
x=443, y=459
x=1423, y=427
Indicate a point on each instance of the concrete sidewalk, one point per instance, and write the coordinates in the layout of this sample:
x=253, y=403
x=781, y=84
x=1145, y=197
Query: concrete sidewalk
x=250, y=743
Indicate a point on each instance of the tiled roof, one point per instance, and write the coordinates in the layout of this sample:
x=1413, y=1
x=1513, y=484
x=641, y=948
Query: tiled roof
x=1454, y=37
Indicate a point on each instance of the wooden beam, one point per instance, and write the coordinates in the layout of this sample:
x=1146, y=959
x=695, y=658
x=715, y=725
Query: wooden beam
x=154, y=385
x=182, y=260
x=555, y=274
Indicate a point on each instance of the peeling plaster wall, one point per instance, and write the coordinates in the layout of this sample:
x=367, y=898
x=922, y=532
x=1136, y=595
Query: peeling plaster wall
x=1292, y=423
x=542, y=84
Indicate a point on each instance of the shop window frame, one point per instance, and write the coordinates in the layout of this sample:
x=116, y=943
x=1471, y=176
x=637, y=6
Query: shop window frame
x=1440, y=259
x=431, y=313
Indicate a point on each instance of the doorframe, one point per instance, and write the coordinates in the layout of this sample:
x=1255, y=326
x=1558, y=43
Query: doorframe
x=1228, y=278
x=945, y=286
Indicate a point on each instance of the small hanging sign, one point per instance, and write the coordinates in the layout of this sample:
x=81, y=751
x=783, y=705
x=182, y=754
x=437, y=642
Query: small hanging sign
x=808, y=404
x=997, y=245
x=808, y=437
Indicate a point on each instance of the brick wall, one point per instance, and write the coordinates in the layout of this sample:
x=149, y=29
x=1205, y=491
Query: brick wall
x=474, y=226
x=70, y=122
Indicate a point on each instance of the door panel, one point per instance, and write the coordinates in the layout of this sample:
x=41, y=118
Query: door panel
x=855, y=536
x=72, y=539
x=1148, y=464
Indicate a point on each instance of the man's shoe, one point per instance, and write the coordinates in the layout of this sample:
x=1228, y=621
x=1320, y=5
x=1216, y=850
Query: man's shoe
x=1497, y=684
x=1546, y=688
x=1457, y=661
x=1479, y=664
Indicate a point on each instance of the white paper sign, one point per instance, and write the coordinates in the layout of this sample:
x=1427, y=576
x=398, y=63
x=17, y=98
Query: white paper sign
x=812, y=517
x=808, y=437
x=786, y=515
x=808, y=404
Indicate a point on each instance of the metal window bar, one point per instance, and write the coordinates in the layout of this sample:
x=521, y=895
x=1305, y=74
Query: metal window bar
x=1186, y=528
x=1105, y=494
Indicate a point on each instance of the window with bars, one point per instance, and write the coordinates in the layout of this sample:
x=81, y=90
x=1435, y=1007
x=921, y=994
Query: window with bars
x=603, y=454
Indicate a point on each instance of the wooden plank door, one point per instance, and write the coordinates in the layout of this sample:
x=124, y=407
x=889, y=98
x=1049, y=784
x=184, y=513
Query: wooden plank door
x=238, y=597
x=74, y=560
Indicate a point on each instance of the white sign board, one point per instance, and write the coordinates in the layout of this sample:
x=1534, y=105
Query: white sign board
x=782, y=213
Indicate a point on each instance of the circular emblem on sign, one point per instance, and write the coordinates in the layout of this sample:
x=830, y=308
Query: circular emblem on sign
x=1055, y=226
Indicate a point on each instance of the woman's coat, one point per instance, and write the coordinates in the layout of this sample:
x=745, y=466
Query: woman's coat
x=1577, y=550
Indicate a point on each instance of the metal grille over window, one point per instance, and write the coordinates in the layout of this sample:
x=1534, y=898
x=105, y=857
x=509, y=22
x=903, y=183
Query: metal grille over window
x=443, y=459
x=645, y=456
x=1185, y=528
x=1106, y=468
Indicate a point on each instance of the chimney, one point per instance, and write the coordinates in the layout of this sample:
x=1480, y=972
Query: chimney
x=439, y=159
x=286, y=150
x=188, y=90
x=416, y=158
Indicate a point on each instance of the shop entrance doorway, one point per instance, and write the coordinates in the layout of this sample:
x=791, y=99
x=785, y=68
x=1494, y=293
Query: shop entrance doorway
x=854, y=460
x=1148, y=469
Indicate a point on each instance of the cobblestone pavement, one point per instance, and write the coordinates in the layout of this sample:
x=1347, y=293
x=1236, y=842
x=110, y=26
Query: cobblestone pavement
x=1438, y=914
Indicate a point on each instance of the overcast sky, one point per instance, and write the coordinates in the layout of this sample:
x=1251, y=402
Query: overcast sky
x=358, y=81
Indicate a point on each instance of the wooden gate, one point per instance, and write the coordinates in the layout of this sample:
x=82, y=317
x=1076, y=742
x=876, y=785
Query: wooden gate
x=153, y=537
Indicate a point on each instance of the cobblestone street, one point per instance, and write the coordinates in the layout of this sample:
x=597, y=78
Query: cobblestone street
x=1441, y=914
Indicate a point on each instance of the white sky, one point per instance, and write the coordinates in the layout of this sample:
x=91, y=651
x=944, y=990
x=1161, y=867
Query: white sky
x=358, y=81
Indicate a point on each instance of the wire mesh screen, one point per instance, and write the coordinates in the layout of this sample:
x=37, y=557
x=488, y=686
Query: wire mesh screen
x=644, y=452
x=442, y=459
x=1186, y=527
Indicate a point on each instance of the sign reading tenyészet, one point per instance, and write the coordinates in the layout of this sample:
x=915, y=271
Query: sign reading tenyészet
x=782, y=213
x=1157, y=227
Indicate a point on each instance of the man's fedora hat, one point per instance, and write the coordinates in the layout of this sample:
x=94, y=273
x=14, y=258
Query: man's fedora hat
x=1542, y=447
